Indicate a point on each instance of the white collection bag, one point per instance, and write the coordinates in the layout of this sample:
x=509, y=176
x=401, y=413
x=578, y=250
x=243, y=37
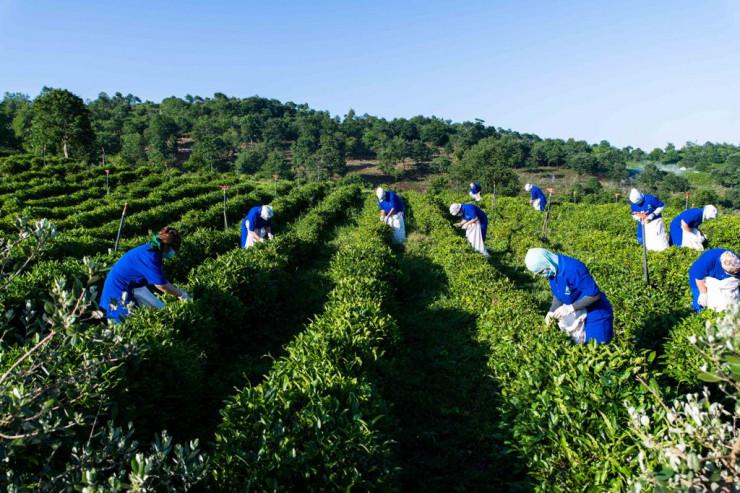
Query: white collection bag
x=475, y=196
x=656, y=239
x=399, y=227
x=536, y=204
x=721, y=294
x=144, y=297
x=475, y=238
x=693, y=240
x=575, y=325
x=261, y=232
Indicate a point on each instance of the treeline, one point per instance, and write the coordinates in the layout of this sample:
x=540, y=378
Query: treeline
x=264, y=136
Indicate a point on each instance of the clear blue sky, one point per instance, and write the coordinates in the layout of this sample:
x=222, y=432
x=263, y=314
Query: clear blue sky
x=640, y=73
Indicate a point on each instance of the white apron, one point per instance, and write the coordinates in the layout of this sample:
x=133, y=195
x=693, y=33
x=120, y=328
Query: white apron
x=575, y=326
x=475, y=238
x=536, y=204
x=721, y=294
x=144, y=297
x=399, y=227
x=656, y=239
x=261, y=232
x=692, y=240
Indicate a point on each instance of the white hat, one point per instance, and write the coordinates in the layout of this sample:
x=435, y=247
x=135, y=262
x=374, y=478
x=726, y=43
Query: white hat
x=380, y=193
x=455, y=209
x=635, y=196
x=528, y=187
x=472, y=184
x=266, y=212
x=710, y=212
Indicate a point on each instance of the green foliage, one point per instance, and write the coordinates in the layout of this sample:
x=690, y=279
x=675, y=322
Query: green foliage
x=61, y=122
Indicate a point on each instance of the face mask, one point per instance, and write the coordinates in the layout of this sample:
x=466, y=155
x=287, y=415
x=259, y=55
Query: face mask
x=547, y=273
x=169, y=254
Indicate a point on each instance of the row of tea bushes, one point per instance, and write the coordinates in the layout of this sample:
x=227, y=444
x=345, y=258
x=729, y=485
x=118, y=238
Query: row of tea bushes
x=317, y=422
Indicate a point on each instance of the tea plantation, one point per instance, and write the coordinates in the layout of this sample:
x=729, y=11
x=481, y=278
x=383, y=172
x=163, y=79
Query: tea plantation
x=328, y=359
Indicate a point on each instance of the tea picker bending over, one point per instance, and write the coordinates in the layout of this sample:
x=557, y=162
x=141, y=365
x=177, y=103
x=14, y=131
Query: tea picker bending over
x=581, y=308
x=127, y=281
x=537, y=199
x=475, y=223
x=392, y=213
x=256, y=225
x=714, y=279
x=685, y=227
x=475, y=191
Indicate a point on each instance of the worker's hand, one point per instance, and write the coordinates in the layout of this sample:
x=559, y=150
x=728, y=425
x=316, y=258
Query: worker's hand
x=563, y=311
x=269, y=236
x=549, y=317
x=185, y=296
x=460, y=224
x=649, y=218
x=703, y=299
x=262, y=239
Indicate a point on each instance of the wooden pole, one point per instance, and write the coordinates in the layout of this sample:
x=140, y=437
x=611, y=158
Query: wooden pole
x=120, y=226
x=224, y=188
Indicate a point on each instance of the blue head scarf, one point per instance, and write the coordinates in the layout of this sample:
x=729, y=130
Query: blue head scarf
x=542, y=262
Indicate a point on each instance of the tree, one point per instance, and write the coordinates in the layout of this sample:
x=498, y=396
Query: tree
x=482, y=163
x=62, y=119
x=583, y=163
x=162, y=137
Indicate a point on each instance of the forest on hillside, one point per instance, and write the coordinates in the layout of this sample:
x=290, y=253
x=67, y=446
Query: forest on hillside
x=265, y=137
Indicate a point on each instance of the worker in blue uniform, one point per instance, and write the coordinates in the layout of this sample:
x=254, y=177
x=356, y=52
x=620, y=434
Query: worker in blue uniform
x=573, y=289
x=256, y=225
x=537, y=199
x=648, y=208
x=685, y=227
x=717, y=263
x=475, y=191
x=392, y=213
x=138, y=268
x=475, y=223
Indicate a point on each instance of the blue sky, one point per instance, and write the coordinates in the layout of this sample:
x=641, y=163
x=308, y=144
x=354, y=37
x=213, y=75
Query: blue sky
x=640, y=73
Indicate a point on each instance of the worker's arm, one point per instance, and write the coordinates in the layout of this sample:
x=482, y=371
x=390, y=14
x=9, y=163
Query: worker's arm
x=170, y=289
x=701, y=285
x=685, y=227
x=256, y=236
x=391, y=212
x=556, y=303
x=586, y=301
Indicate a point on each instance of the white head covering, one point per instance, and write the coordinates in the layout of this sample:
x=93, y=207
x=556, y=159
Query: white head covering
x=472, y=184
x=635, y=196
x=528, y=187
x=380, y=193
x=455, y=209
x=710, y=212
x=266, y=212
x=730, y=263
x=539, y=259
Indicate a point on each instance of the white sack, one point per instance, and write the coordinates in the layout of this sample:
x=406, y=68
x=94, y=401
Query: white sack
x=692, y=240
x=721, y=294
x=261, y=232
x=144, y=297
x=575, y=326
x=475, y=238
x=656, y=239
x=399, y=227
x=536, y=204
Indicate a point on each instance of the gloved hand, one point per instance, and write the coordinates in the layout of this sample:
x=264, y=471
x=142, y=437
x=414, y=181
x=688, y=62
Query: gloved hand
x=548, y=317
x=563, y=311
x=460, y=224
x=269, y=236
x=185, y=296
x=649, y=218
x=703, y=299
